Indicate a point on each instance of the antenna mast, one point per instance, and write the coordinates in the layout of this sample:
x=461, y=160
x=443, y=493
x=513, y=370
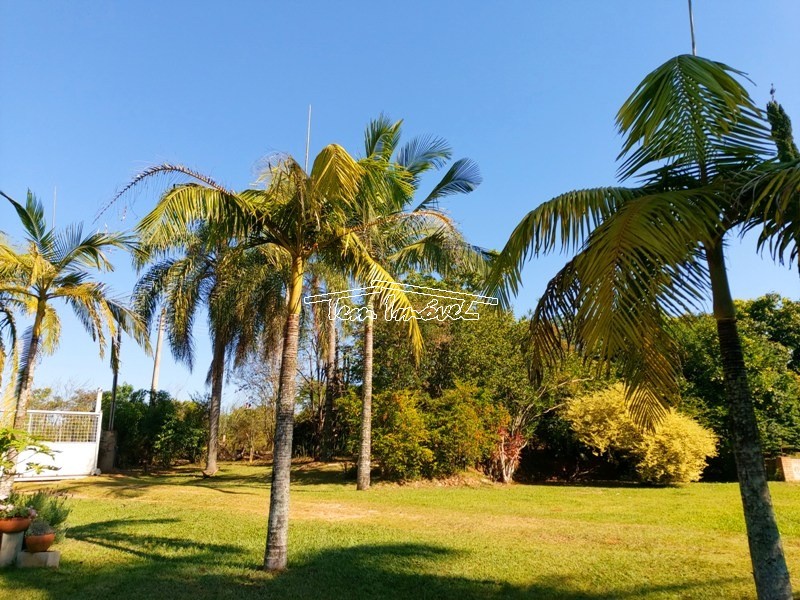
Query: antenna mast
x=308, y=136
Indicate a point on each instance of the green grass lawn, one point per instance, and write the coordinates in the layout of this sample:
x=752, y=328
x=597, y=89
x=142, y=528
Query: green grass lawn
x=179, y=536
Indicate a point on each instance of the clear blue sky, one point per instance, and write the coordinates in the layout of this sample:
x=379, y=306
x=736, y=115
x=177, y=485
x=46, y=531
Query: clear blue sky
x=94, y=92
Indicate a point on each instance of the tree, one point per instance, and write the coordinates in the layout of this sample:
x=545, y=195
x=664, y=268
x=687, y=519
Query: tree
x=241, y=290
x=764, y=327
x=700, y=148
x=402, y=235
x=8, y=346
x=301, y=216
x=59, y=266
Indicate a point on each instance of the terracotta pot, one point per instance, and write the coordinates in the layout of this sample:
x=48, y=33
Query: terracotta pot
x=39, y=543
x=14, y=524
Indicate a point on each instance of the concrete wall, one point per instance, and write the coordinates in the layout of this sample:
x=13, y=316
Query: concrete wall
x=790, y=468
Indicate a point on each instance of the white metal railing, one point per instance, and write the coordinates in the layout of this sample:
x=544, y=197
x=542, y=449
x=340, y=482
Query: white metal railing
x=74, y=437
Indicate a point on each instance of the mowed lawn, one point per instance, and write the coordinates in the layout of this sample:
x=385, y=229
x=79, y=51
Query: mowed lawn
x=179, y=536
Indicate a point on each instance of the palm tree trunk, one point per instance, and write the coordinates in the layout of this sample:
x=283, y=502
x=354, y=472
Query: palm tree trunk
x=365, y=452
x=766, y=551
x=217, y=379
x=25, y=385
x=330, y=394
x=275, y=556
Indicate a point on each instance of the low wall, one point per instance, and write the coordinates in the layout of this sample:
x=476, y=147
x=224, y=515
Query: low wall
x=789, y=468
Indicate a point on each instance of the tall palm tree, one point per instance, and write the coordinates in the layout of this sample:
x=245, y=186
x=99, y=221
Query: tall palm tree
x=302, y=216
x=8, y=347
x=242, y=299
x=59, y=266
x=403, y=235
x=701, y=148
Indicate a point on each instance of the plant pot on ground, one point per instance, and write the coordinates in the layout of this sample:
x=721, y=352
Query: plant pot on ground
x=39, y=536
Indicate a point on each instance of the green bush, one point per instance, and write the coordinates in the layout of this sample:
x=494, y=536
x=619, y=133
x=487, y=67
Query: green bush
x=160, y=433
x=463, y=429
x=676, y=451
x=49, y=505
x=416, y=436
x=400, y=436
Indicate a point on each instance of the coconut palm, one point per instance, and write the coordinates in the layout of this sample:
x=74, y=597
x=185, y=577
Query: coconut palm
x=700, y=148
x=302, y=216
x=241, y=290
x=403, y=234
x=58, y=266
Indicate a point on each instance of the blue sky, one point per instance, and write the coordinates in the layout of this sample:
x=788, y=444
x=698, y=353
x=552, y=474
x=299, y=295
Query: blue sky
x=94, y=92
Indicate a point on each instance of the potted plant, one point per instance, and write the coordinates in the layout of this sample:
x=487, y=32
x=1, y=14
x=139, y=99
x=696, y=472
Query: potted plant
x=39, y=536
x=15, y=518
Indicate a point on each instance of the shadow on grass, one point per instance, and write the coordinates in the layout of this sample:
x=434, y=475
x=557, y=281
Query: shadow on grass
x=160, y=566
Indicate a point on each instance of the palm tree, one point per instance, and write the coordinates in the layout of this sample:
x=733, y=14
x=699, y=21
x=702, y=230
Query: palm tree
x=403, y=236
x=302, y=216
x=8, y=346
x=241, y=297
x=700, y=146
x=58, y=266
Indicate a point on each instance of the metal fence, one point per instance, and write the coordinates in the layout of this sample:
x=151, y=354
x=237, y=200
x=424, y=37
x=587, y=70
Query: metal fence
x=63, y=426
x=72, y=436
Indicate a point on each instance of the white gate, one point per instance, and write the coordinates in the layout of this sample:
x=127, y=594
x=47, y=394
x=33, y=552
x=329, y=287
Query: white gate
x=74, y=438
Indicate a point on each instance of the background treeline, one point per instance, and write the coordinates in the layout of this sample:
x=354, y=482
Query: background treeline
x=470, y=404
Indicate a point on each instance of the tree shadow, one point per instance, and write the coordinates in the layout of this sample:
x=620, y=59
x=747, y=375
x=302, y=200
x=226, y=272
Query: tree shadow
x=159, y=566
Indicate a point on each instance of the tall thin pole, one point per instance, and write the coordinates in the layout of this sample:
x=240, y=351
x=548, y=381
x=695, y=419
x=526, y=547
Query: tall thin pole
x=157, y=360
x=691, y=28
x=115, y=369
x=308, y=136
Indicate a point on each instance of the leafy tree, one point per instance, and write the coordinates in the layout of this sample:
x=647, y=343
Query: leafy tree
x=58, y=266
x=700, y=148
x=248, y=430
x=774, y=385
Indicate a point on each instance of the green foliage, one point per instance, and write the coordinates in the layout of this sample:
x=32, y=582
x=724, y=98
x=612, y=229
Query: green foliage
x=415, y=435
x=39, y=527
x=21, y=442
x=50, y=505
x=782, y=132
x=248, y=430
x=400, y=437
x=162, y=432
x=769, y=328
x=675, y=451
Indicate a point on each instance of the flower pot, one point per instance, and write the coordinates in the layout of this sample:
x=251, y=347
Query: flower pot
x=39, y=543
x=14, y=524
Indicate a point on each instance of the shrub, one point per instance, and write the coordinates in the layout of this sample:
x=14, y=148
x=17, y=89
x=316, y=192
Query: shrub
x=675, y=451
x=162, y=432
x=401, y=437
x=49, y=505
x=416, y=436
x=462, y=428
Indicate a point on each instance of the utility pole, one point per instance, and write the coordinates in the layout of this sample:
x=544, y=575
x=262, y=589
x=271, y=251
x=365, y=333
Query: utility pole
x=691, y=28
x=157, y=360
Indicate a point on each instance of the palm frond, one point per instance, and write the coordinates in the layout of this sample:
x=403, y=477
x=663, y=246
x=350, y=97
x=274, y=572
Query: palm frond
x=462, y=177
x=691, y=113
